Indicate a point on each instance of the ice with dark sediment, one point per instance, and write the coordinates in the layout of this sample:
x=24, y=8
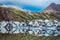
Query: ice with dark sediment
x=43, y=28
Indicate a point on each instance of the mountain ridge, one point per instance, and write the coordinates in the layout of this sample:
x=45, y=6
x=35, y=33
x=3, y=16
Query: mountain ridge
x=52, y=12
x=53, y=6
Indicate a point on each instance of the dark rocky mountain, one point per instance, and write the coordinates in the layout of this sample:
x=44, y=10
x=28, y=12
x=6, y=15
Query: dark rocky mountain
x=52, y=11
x=53, y=6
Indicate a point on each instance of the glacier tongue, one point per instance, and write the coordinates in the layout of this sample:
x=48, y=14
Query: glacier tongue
x=14, y=27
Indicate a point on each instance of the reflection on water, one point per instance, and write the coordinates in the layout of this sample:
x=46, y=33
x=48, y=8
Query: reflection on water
x=26, y=28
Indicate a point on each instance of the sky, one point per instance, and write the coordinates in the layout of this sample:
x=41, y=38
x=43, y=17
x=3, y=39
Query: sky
x=29, y=5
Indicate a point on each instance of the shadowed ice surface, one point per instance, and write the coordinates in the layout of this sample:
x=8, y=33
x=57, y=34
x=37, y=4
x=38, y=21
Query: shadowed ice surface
x=14, y=27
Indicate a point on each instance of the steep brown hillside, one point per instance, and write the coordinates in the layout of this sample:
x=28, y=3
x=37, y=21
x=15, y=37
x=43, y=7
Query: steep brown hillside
x=13, y=14
x=52, y=11
x=5, y=14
